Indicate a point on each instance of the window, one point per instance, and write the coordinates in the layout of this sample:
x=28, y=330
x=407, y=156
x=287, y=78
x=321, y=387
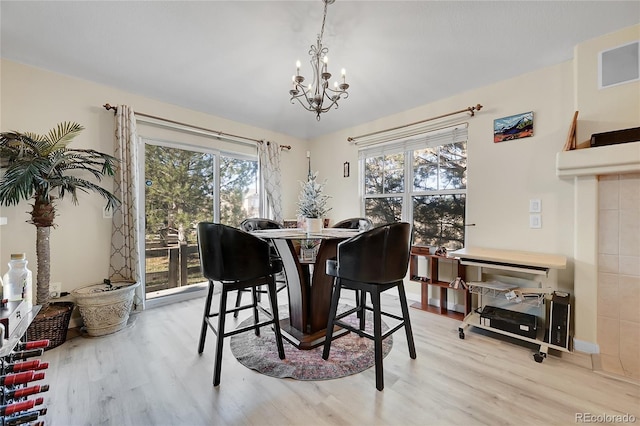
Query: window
x=422, y=180
x=185, y=185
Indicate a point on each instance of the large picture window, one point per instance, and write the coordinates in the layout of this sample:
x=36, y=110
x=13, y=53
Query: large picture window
x=423, y=181
x=185, y=185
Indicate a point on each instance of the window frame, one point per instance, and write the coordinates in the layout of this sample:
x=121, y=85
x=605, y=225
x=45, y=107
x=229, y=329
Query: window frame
x=407, y=147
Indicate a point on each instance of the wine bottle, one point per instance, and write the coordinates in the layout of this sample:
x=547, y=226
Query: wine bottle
x=23, y=418
x=35, y=344
x=16, y=407
x=24, y=354
x=21, y=366
x=22, y=392
x=20, y=378
x=42, y=366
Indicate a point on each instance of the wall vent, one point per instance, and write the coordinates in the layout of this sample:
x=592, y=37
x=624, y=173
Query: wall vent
x=619, y=65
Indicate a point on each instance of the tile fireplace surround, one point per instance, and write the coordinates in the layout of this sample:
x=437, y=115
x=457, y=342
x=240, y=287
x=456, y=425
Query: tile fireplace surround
x=607, y=252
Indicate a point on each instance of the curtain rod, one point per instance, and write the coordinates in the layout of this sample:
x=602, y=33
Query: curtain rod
x=471, y=110
x=222, y=134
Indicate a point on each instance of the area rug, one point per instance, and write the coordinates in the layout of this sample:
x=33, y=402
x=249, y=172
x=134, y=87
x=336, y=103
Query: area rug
x=350, y=354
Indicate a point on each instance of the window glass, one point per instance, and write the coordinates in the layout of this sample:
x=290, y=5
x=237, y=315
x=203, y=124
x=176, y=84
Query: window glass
x=435, y=200
x=239, y=198
x=438, y=220
x=383, y=210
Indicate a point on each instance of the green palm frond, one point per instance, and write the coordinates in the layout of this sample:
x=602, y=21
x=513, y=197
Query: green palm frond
x=71, y=185
x=42, y=166
x=64, y=133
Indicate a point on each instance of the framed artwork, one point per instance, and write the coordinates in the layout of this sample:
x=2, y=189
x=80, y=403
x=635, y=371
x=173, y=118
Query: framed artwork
x=513, y=127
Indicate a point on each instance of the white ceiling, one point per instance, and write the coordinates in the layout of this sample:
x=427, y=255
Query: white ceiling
x=235, y=59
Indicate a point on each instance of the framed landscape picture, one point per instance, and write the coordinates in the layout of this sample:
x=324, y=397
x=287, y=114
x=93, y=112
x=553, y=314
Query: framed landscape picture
x=513, y=127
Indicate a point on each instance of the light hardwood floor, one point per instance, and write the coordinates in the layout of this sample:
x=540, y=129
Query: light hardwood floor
x=151, y=374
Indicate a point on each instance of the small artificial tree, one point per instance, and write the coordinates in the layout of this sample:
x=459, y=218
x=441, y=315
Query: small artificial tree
x=42, y=168
x=312, y=202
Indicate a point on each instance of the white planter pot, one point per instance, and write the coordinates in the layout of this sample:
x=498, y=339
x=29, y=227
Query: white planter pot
x=314, y=224
x=105, y=312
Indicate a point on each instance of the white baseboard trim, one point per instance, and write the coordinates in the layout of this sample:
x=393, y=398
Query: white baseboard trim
x=450, y=306
x=586, y=347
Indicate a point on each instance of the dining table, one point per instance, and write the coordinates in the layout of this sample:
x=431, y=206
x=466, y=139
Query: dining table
x=308, y=286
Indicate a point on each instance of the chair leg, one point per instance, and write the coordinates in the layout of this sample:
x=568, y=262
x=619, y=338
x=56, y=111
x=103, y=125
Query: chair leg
x=217, y=369
x=407, y=320
x=332, y=315
x=362, y=312
x=273, y=301
x=359, y=313
x=377, y=338
x=207, y=312
x=256, y=299
x=238, y=302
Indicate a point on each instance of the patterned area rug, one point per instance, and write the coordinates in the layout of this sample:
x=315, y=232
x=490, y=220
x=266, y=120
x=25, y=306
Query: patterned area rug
x=350, y=354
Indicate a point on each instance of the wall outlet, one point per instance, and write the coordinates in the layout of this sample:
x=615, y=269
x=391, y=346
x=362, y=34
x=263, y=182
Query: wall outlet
x=55, y=289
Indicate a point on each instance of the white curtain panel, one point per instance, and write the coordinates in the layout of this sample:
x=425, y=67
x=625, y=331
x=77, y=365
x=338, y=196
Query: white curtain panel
x=270, y=174
x=124, y=264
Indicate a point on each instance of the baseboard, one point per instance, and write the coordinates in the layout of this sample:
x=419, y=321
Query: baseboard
x=587, y=347
x=450, y=306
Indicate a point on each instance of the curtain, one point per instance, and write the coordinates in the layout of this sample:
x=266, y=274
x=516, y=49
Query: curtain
x=124, y=264
x=270, y=176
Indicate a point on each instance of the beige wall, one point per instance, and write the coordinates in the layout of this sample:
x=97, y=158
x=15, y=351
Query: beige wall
x=502, y=177
x=36, y=100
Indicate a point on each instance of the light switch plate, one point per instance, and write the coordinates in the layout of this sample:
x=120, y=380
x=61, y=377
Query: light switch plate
x=535, y=205
x=535, y=221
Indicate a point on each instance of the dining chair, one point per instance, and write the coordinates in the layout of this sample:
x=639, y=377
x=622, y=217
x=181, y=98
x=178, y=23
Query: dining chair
x=259, y=224
x=361, y=223
x=372, y=262
x=238, y=260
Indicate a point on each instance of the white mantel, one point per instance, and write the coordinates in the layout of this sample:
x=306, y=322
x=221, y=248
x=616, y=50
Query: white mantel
x=603, y=160
x=584, y=166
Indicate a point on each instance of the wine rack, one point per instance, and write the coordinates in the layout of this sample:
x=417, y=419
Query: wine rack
x=21, y=376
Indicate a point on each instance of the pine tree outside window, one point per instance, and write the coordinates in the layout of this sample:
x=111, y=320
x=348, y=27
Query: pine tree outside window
x=422, y=180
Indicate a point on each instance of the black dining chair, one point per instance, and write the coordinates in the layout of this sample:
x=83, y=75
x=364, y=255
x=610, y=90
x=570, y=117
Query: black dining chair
x=372, y=262
x=361, y=223
x=259, y=224
x=238, y=260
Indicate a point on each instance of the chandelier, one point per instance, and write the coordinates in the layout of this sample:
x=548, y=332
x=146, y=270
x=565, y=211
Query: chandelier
x=317, y=96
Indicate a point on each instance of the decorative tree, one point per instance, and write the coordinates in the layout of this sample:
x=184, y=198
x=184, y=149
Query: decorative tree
x=312, y=203
x=42, y=168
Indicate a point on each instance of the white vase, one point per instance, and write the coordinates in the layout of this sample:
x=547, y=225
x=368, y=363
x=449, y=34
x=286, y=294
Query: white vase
x=105, y=311
x=314, y=224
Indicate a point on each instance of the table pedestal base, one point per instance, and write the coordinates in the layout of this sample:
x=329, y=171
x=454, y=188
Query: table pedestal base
x=307, y=341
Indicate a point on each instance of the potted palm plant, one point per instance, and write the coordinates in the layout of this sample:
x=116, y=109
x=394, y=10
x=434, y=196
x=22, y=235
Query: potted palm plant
x=312, y=203
x=43, y=169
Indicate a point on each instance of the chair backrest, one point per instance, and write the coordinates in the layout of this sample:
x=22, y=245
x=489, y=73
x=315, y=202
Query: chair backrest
x=361, y=223
x=380, y=255
x=229, y=254
x=257, y=224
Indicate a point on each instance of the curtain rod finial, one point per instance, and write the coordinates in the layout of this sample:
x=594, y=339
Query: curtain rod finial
x=108, y=107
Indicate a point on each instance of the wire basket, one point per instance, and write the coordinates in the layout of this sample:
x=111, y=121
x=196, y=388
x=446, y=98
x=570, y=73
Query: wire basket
x=51, y=326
